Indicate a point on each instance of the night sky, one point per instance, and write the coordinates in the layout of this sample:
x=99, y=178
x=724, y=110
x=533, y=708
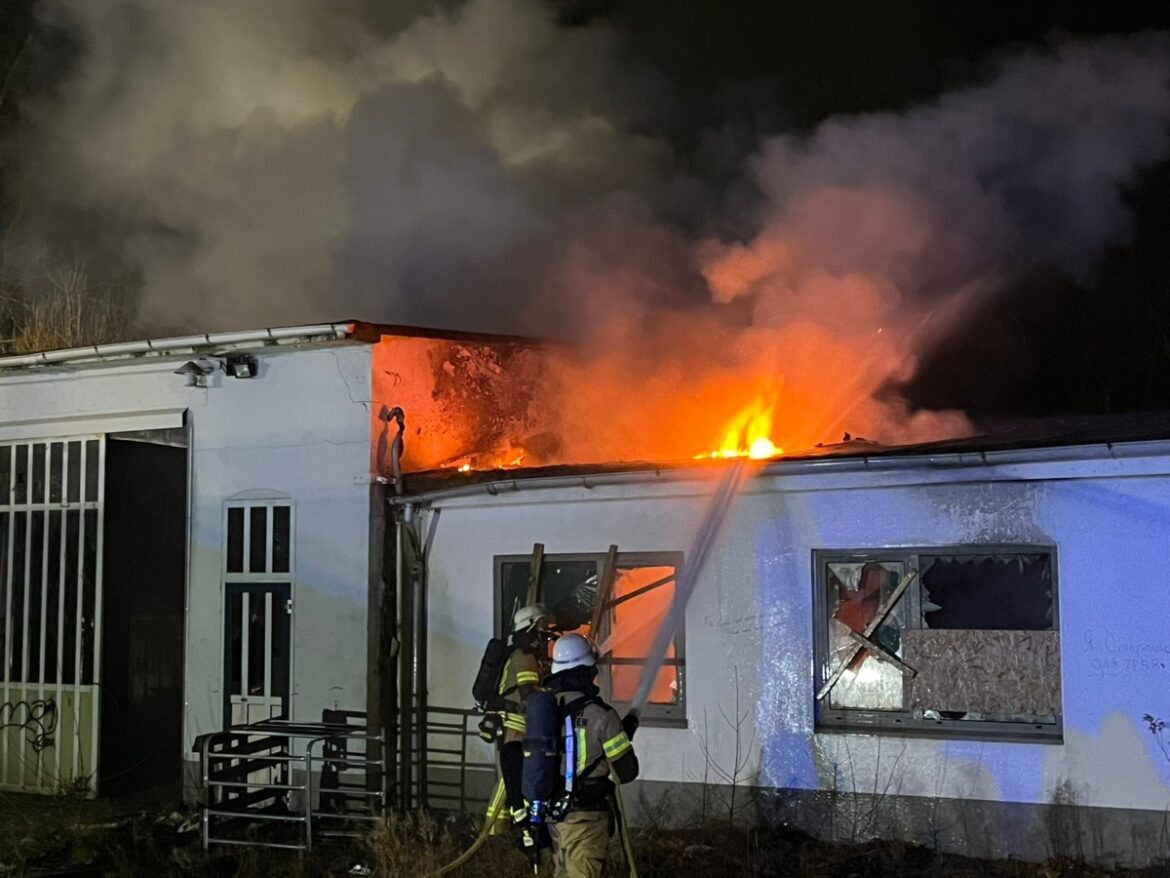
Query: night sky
x=1047, y=345
x=716, y=78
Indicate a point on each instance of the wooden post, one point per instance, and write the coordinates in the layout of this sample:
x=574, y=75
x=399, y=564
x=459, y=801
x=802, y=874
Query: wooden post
x=534, y=576
x=604, y=590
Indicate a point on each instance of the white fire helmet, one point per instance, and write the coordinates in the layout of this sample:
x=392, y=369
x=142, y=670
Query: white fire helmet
x=573, y=651
x=531, y=617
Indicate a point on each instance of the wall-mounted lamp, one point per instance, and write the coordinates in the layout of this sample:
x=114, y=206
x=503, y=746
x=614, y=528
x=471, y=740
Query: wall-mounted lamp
x=196, y=372
x=240, y=365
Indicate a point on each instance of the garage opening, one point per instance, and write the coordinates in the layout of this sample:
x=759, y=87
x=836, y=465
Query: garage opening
x=144, y=574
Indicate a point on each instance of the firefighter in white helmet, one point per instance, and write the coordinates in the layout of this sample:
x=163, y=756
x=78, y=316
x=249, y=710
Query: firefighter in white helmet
x=526, y=665
x=603, y=742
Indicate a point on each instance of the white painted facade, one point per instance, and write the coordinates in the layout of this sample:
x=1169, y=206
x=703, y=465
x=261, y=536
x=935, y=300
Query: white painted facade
x=1106, y=510
x=299, y=430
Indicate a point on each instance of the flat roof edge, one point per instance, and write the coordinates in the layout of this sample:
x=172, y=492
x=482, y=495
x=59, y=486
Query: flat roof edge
x=600, y=477
x=121, y=350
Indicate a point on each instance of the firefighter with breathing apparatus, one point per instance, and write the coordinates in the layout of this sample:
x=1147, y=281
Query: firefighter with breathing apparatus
x=510, y=670
x=573, y=742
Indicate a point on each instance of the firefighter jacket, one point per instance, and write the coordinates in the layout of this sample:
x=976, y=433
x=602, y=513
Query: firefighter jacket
x=601, y=743
x=521, y=672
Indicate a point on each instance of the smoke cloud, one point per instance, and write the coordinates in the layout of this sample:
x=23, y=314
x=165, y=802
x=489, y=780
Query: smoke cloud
x=478, y=166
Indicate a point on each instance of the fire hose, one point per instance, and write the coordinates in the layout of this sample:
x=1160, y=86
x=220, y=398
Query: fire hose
x=494, y=805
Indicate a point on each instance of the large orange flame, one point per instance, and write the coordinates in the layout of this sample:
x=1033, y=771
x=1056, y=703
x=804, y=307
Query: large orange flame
x=748, y=434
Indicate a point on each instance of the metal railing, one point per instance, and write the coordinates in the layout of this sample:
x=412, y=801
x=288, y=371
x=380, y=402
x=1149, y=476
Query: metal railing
x=286, y=784
x=448, y=765
x=279, y=783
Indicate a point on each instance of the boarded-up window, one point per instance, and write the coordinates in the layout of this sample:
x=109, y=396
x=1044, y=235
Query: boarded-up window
x=971, y=643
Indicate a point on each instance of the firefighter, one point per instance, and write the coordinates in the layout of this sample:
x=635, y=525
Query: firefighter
x=526, y=665
x=603, y=742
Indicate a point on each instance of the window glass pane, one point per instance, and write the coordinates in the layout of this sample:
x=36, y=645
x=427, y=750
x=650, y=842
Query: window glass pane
x=624, y=681
x=20, y=473
x=280, y=539
x=513, y=591
x=56, y=475
x=4, y=519
x=236, y=634
x=856, y=590
x=73, y=473
x=92, y=467
x=257, y=625
x=1011, y=592
x=569, y=590
x=5, y=473
x=69, y=616
x=258, y=540
x=89, y=596
x=19, y=554
x=280, y=638
x=38, y=475
x=633, y=626
x=36, y=551
x=53, y=595
x=235, y=540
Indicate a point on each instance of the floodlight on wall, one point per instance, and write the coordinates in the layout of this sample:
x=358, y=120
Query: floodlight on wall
x=196, y=372
x=240, y=365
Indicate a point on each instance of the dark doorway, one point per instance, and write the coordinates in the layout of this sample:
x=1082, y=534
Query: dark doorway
x=144, y=571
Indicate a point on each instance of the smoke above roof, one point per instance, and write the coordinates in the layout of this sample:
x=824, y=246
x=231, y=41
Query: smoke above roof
x=479, y=166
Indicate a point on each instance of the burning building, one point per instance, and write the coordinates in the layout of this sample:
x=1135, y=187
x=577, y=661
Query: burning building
x=234, y=552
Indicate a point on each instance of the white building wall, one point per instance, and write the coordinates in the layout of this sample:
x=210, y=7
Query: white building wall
x=301, y=429
x=751, y=617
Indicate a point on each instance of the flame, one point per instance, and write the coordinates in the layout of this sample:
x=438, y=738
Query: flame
x=748, y=433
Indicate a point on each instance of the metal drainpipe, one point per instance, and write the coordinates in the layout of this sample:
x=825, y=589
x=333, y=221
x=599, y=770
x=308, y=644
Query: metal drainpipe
x=419, y=598
x=406, y=661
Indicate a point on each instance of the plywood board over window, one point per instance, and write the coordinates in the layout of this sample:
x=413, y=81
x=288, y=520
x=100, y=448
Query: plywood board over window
x=990, y=673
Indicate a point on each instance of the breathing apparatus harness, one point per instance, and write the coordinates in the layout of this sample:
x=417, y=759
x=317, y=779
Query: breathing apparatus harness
x=485, y=690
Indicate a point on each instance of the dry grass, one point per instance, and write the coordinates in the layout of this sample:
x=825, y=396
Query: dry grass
x=418, y=845
x=49, y=833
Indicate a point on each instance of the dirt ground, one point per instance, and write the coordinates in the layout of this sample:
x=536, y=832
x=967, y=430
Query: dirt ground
x=66, y=835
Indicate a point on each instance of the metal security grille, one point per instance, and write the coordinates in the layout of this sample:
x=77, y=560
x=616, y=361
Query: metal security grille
x=257, y=611
x=51, y=520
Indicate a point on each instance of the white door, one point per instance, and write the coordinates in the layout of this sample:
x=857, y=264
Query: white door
x=257, y=612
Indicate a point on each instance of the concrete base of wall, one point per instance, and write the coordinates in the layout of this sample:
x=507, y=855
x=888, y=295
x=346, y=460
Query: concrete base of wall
x=992, y=830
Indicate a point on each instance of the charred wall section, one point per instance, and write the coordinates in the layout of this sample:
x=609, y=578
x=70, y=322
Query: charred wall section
x=466, y=404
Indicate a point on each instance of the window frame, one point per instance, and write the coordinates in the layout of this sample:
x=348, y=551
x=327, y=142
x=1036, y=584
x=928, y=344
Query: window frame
x=903, y=722
x=652, y=715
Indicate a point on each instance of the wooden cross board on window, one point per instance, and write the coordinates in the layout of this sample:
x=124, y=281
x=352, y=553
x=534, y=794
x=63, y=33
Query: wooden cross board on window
x=604, y=589
x=864, y=640
x=534, y=574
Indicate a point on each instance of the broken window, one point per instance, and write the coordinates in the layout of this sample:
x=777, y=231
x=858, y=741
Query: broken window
x=639, y=598
x=965, y=638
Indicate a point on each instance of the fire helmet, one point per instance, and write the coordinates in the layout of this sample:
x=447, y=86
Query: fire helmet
x=531, y=617
x=573, y=651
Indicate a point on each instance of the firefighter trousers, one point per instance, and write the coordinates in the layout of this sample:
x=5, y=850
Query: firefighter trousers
x=579, y=844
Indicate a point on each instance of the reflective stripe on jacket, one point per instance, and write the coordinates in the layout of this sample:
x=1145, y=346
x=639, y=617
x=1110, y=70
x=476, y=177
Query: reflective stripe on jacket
x=600, y=738
x=521, y=669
